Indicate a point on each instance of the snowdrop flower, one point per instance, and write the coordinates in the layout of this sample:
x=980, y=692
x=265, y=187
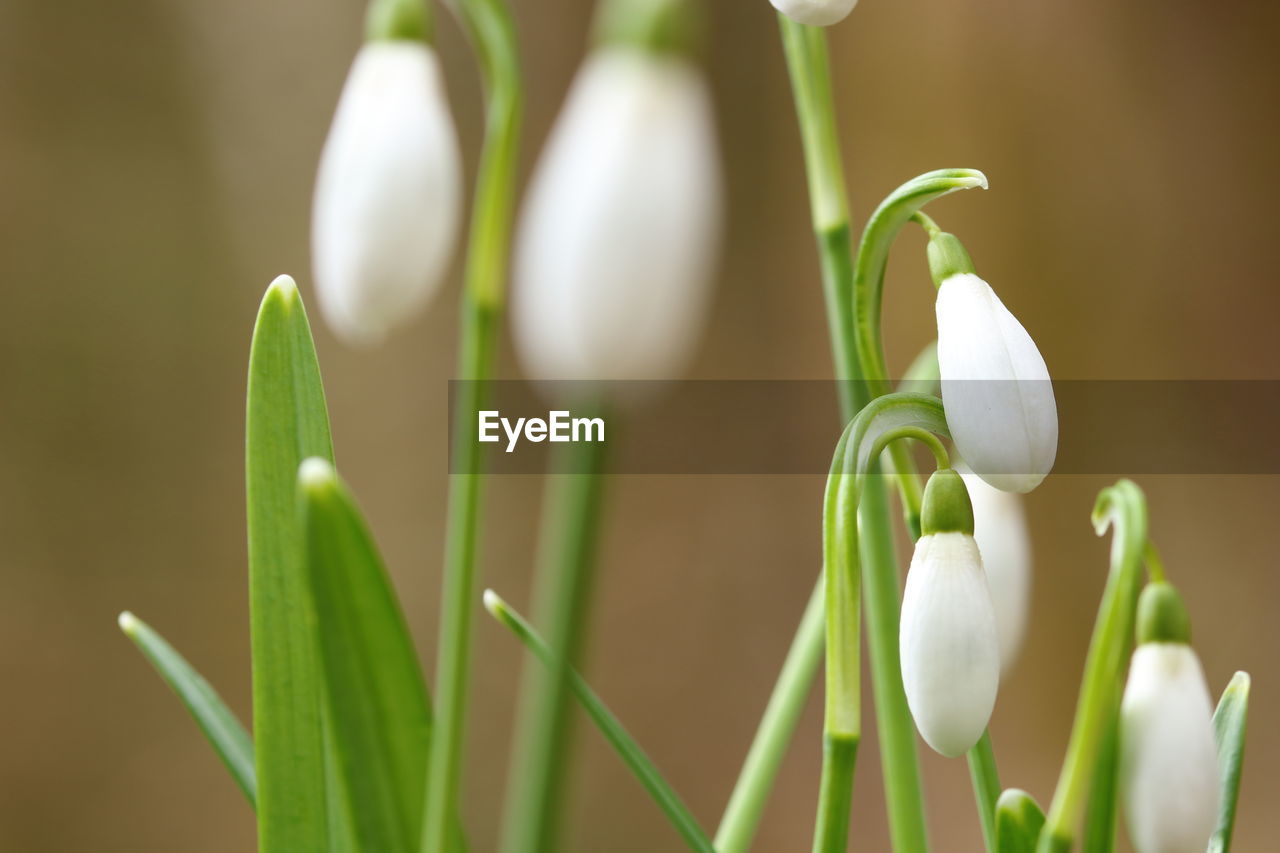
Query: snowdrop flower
x=617, y=239
x=817, y=13
x=999, y=400
x=950, y=651
x=388, y=193
x=1169, y=772
x=1000, y=529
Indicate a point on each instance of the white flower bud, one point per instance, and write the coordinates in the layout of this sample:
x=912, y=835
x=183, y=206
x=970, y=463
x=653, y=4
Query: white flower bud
x=618, y=236
x=815, y=13
x=388, y=194
x=999, y=400
x=947, y=638
x=1169, y=773
x=1000, y=529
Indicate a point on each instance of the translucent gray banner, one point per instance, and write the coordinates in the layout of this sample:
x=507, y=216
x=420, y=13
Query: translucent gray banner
x=1112, y=427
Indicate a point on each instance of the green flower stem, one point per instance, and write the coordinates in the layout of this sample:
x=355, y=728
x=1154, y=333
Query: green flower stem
x=839, y=754
x=986, y=787
x=562, y=589
x=842, y=726
x=806, y=54
x=777, y=724
x=1124, y=507
x=807, y=62
x=622, y=742
x=492, y=31
x=882, y=594
x=921, y=377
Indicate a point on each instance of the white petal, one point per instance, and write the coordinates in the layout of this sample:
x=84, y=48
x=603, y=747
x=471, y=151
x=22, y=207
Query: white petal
x=950, y=653
x=1169, y=762
x=388, y=193
x=815, y=13
x=618, y=236
x=1000, y=529
x=999, y=400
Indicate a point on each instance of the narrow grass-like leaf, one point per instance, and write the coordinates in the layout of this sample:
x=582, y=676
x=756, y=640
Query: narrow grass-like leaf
x=286, y=422
x=219, y=724
x=622, y=742
x=376, y=698
x=1229, y=722
x=1018, y=822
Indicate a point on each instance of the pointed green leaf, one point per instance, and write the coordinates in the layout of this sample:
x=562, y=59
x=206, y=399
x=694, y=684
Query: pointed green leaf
x=377, y=700
x=619, y=738
x=1229, y=726
x=1018, y=822
x=286, y=422
x=220, y=726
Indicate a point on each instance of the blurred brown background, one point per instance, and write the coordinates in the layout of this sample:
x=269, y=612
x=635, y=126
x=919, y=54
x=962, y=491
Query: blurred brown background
x=156, y=161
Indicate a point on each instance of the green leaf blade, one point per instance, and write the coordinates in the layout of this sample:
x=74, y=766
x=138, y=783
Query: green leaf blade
x=286, y=422
x=1229, y=724
x=224, y=731
x=376, y=697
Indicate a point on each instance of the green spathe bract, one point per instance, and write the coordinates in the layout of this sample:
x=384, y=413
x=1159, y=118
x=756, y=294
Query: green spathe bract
x=286, y=422
x=1018, y=822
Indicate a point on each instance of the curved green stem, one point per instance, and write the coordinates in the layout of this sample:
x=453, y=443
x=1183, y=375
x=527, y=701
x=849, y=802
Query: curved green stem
x=880, y=423
x=492, y=31
x=1123, y=507
x=873, y=256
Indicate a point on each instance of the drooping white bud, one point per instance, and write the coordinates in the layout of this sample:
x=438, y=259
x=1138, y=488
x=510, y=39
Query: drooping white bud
x=1000, y=529
x=1169, y=772
x=388, y=194
x=815, y=13
x=999, y=400
x=618, y=237
x=947, y=638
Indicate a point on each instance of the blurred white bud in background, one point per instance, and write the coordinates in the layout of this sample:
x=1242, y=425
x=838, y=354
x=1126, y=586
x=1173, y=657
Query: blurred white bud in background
x=815, y=13
x=388, y=194
x=1000, y=529
x=995, y=386
x=619, y=233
